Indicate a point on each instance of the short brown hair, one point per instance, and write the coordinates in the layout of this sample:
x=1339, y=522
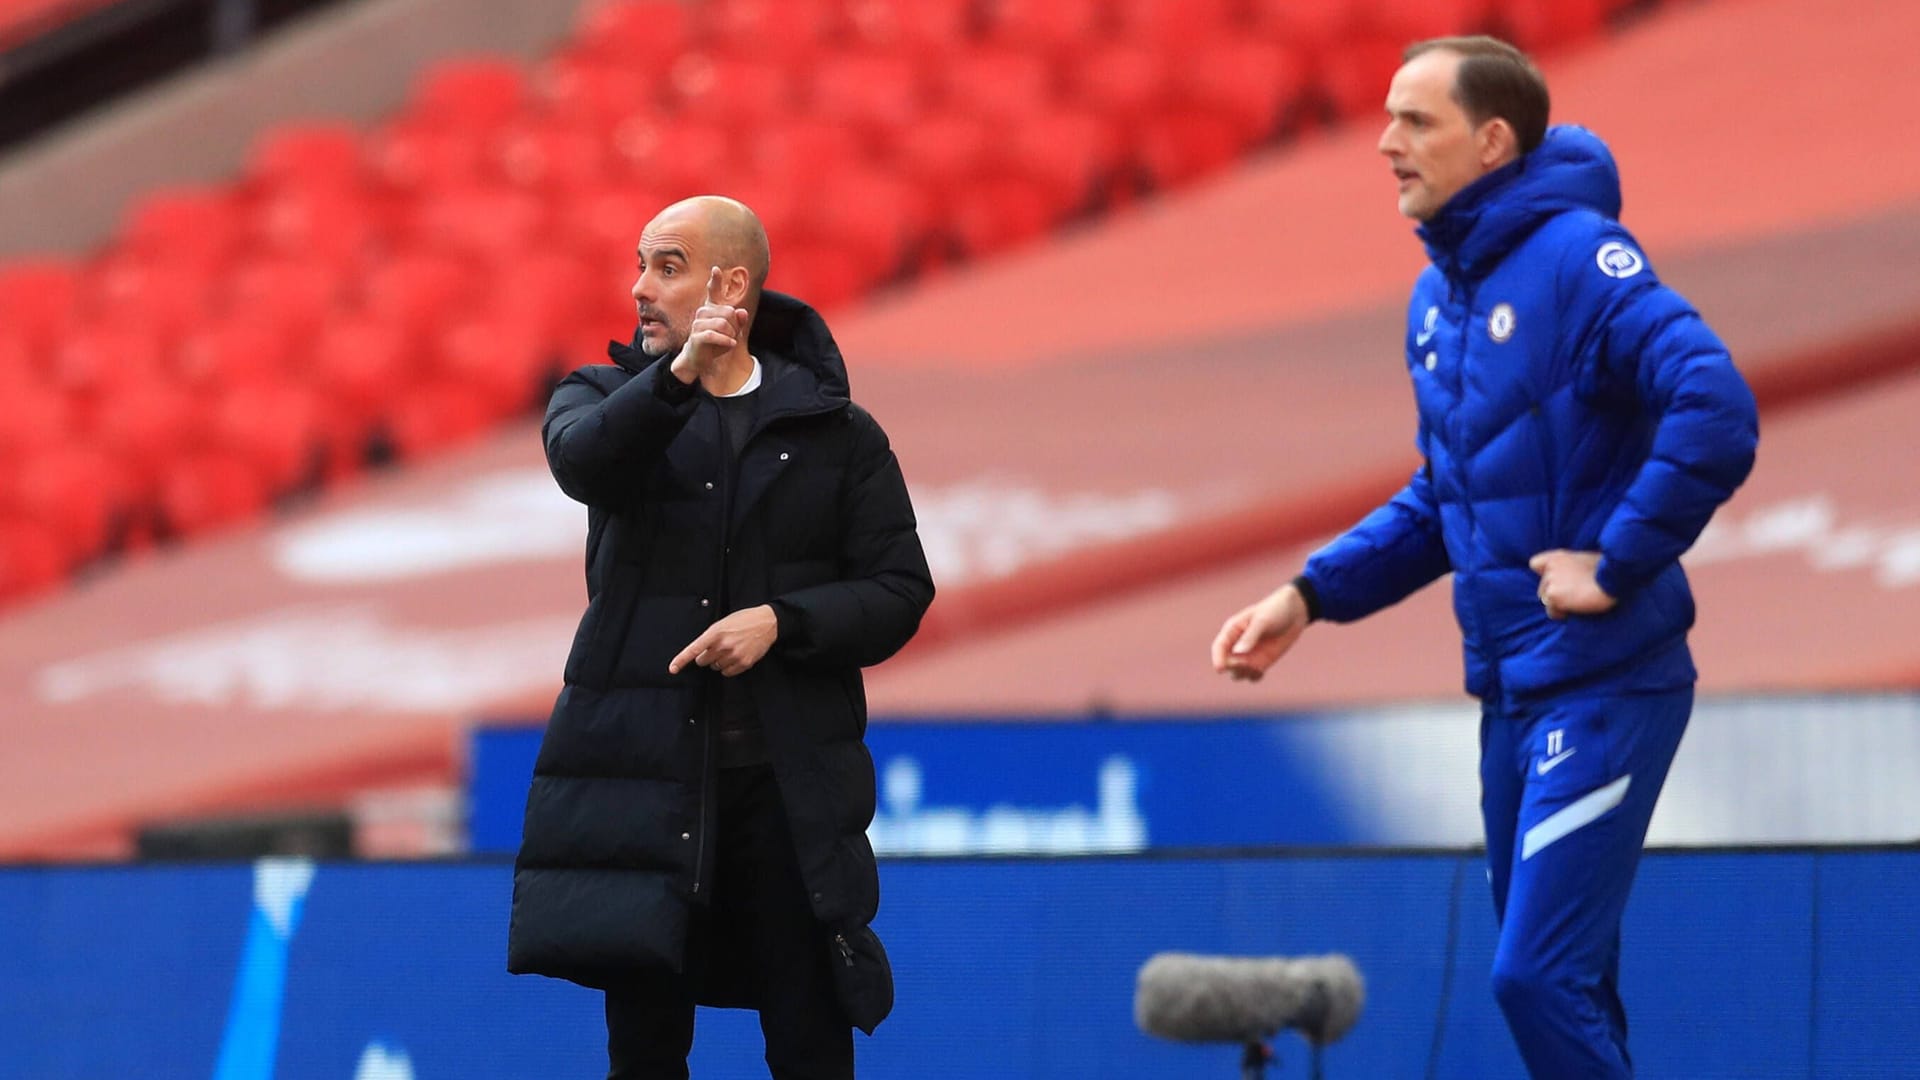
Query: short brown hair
x=1495, y=80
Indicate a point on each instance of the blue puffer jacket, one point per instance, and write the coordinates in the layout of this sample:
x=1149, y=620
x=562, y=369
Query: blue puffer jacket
x=1567, y=399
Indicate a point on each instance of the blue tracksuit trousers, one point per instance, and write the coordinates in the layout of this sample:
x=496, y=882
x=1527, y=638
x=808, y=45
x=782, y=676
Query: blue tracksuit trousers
x=1567, y=788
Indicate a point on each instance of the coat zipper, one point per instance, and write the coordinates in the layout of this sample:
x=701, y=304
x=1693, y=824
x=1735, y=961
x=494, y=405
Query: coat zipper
x=1459, y=439
x=706, y=742
x=846, y=950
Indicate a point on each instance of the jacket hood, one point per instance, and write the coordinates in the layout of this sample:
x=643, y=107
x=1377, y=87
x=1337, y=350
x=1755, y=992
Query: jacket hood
x=785, y=327
x=1571, y=169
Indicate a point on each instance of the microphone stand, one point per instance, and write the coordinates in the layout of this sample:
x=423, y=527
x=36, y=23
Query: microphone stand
x=1255, y=1059
x=1257, y=1055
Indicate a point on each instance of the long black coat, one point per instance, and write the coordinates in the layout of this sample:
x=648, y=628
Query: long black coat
x=616, y=848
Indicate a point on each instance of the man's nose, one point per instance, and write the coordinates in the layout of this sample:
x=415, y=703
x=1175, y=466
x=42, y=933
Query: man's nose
x=640, y=288
x=1388, y=144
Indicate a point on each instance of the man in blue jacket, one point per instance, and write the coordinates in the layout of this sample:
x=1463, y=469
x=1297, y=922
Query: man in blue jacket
x=1578, y=425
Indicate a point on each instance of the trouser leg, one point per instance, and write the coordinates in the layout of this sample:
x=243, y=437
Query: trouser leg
x=1593, y=770
x=808, y=1037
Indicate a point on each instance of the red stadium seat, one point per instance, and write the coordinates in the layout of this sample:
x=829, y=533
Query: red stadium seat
x=357, y=363
x=1125, y=80
x=877, y=92
x=677, y=156
x=152, y=294
x=926, y=30
x=1544, y=25
x=824, y=275
x=1250, y=82
x=1181, y=145
x=1309, y=25
x=639, y=33
x=550, y=292
x=411, y=156
x=776, y=31
x=1070, y=153
x=554, y=160
x=275, y=427
x=34, y=418
x=794, y=149
x=417, y=293
x=33, y=559
x=208, y=490
x=587, y=88
x=144, y=425
x=234, y=351
x=997, y=214
x=476, y=94
x=942, y=153
x=74, y=492
x=323, y=155
x=1170, y=21
x=779, y=198
x=999, y=83
x=38, y=296
x=603, y=225
x=1053, y=26
x=19, y=360
x=506, y=361
x=1416, y=20
x=93, y=354
x=333, y=228
x=491, y=223
x=432, y=417
x=871, y=213
x=292, y=296
x=727, y=89
x=1356, y=71
x=197, y=225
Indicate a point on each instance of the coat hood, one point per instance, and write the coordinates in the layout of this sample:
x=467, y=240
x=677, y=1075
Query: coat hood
x=1571, y=169
x=785, y=327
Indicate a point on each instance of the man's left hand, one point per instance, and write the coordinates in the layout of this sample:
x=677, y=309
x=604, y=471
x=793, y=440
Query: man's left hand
x=732, y=645
x=1566, y=583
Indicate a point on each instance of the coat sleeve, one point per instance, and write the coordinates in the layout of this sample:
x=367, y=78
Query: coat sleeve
x=1653, y=349
x=1387, y=557
x=598, y=441
x=884, y=588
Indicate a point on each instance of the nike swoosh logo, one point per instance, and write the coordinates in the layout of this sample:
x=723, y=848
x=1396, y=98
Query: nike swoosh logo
x=1547, y=764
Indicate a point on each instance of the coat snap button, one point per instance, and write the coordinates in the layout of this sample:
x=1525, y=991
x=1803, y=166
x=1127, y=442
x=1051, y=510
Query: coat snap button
x=783, y=456
x=709, y=485
x=1432, y=359
x=704, y=602
x=686, y=836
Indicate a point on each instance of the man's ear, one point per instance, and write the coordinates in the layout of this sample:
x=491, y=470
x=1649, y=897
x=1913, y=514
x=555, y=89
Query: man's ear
x=736, y=281
x=1498, y=143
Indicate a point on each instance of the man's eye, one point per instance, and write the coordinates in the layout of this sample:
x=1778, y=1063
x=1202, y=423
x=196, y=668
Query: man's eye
x=666, y=271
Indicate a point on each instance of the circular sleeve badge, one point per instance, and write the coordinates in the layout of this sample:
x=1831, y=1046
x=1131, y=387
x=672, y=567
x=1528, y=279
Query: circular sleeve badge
x=1617, y=260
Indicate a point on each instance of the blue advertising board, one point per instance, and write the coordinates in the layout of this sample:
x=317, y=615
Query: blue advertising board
x=1779, y=770
x=1747, y=964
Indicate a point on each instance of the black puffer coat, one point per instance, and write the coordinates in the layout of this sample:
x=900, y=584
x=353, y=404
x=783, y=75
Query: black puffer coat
x=616, y=849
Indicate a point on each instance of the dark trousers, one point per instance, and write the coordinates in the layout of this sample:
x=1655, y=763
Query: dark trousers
x=757, y=894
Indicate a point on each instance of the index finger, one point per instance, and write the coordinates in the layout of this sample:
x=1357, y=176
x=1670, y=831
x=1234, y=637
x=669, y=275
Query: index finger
x=712, y=280
x=693, y=649
x=1229, y=634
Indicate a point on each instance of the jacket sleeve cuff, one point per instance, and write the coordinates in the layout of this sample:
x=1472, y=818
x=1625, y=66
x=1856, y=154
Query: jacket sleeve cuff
x=1309, y=594
x=786, y=620
x=1607, y=576
x=667, y=387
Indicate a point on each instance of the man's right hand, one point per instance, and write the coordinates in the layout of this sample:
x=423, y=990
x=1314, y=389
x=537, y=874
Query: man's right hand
x=717, y=328
x=1260, y=634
